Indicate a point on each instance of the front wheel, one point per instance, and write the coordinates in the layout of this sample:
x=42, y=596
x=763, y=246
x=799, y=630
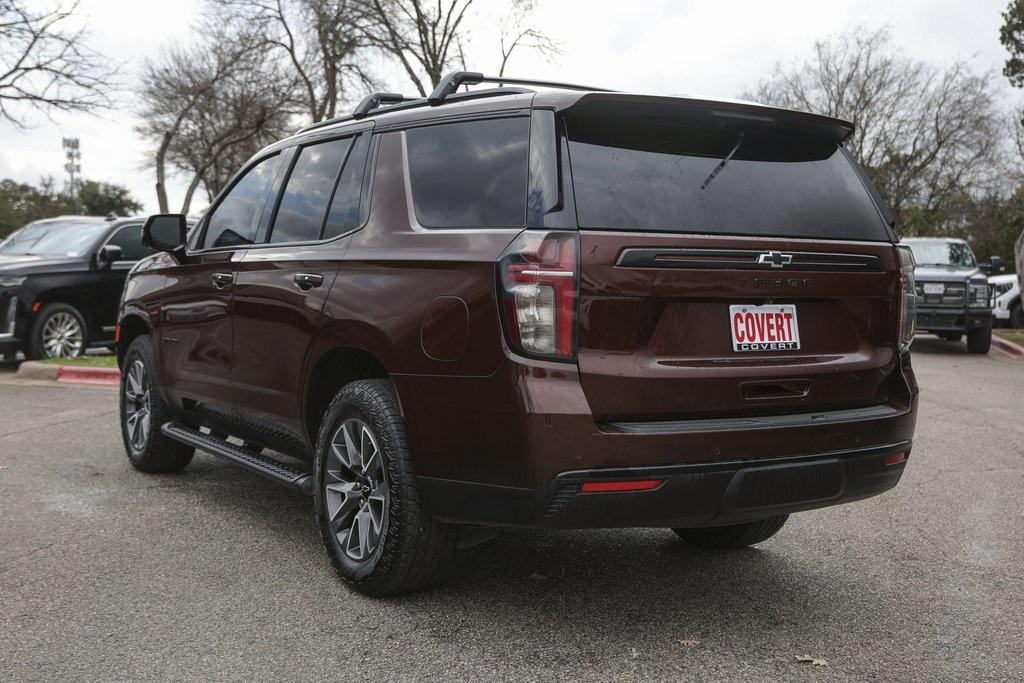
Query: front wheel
x=380, y=537
x=143, y=412
x=1017, y=316
x=58, y=331
x=734, y=536
x=980, y=340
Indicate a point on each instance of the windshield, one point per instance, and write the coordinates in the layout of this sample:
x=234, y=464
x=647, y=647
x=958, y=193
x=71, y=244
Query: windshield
x=942, y=254
x=684, y=173
x=54, y=238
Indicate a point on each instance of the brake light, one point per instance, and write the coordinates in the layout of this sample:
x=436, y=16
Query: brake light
x=907, y=304
x=539, y=277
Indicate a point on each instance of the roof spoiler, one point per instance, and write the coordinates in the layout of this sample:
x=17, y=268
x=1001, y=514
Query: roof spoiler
x=735, y=110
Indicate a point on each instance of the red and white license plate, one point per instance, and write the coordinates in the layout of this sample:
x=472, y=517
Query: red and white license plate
x=764, y=328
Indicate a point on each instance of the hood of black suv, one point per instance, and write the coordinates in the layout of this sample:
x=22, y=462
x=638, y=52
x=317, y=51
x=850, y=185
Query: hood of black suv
x=15, y=264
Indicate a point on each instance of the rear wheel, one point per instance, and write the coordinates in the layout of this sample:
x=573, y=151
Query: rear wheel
x=380, y=537
x=979, y=340
x=1017, y=316
x=950, y=336
x=58, y=331
x=733, y=536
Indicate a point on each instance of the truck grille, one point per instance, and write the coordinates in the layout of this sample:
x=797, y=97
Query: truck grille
x=952, y=295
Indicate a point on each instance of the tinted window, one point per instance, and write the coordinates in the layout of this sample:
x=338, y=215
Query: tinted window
x=129, y=238
x=738, y=177
x=304, y=203
x=235, y=219
x=470, y=174
x=345, y=214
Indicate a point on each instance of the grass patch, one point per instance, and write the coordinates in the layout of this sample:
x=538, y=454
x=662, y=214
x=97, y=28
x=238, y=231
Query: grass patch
x=85, y=361
x=1015, y=336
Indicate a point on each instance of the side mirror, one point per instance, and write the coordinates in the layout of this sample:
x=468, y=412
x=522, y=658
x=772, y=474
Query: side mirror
x=108, y=254
x=164, y=232
x=996, y=265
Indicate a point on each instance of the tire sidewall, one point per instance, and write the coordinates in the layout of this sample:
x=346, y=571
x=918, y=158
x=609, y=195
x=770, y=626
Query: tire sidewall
x=37, y=348
x=1017, y=316
x=136, y=352
x=352, y=402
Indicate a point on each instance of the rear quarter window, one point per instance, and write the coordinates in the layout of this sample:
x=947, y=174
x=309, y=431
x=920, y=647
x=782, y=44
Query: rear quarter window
x=471, y=173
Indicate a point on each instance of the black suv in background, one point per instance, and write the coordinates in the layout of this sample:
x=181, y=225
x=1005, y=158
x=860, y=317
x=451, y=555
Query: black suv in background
x=953, y=295
x=60, y=283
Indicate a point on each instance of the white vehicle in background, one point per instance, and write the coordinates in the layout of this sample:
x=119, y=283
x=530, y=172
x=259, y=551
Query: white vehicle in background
x=1006, y=306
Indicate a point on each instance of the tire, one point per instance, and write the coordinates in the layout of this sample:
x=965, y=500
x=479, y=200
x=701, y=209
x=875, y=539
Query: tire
x=152, y=451
x=58, y=331
x=950, y=336
x=409, y=548
x=980, y=340
x=735, y=536
x=1017, y=316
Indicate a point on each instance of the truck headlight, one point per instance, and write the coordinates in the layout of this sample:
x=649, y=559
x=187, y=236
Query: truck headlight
x=978, y=295
x=11, y=280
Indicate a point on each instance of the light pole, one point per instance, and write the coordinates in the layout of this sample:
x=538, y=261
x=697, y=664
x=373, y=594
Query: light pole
x=72, y=166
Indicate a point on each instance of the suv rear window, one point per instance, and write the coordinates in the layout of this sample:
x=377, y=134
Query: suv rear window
x=691, y=175
x=470, y=174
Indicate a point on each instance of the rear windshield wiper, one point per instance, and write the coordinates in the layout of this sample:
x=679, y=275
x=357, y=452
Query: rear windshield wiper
x=723, y=162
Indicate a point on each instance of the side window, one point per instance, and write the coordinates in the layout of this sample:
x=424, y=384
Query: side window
x=307, y=193
x=129, y=238
x=234, y=221
x=344, y=214
x=470, y=174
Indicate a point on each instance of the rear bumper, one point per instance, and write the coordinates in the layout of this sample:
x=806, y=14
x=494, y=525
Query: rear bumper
x=697, y=495
x=504, y=449
x=951, y=320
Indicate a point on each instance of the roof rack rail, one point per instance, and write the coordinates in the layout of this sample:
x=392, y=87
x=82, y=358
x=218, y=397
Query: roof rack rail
x=374, y=101
x=446, y=89
x=453, y=81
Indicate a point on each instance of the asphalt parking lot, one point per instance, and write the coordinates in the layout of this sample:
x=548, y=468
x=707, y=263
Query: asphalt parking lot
x=108, y=573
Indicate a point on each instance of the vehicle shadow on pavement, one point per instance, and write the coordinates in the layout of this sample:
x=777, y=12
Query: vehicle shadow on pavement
x=583, y=588
x=933, y=346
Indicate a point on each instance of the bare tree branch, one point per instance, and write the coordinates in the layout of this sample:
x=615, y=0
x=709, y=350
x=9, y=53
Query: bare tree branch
x=322, y=42
x=517, y=33
x=424, y=37
x=926, y=136
x=47, y=66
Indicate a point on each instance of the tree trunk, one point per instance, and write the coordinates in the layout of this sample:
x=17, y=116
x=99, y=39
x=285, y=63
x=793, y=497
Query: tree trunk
x=185, y=205
x=161, y=189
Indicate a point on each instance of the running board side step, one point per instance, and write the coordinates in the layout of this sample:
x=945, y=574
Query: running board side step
x=283, y=473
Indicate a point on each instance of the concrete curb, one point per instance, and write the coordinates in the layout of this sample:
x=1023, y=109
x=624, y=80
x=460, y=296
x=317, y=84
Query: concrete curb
x=1008, y=347
x=31, y=369
x=35, y=370
x=79, y=375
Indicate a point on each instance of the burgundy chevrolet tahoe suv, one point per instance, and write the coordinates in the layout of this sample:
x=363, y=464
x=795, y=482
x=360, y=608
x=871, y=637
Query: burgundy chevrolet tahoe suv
x=515, y=308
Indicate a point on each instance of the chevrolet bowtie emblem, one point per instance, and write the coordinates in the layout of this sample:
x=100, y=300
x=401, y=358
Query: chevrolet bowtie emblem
x=776, y=258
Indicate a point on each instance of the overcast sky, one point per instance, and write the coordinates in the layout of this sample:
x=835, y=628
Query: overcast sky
x=694, y=47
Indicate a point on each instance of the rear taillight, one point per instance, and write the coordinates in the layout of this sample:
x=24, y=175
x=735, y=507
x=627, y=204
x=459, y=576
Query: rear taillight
x=907, y=298
x=539, y=275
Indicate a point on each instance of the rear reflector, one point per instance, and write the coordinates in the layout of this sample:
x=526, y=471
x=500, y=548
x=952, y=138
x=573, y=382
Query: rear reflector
x=620, y=486
x=894, y=459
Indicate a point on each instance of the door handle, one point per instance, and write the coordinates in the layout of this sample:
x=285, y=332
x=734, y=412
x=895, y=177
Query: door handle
x=222, y=280
x=307, y=281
